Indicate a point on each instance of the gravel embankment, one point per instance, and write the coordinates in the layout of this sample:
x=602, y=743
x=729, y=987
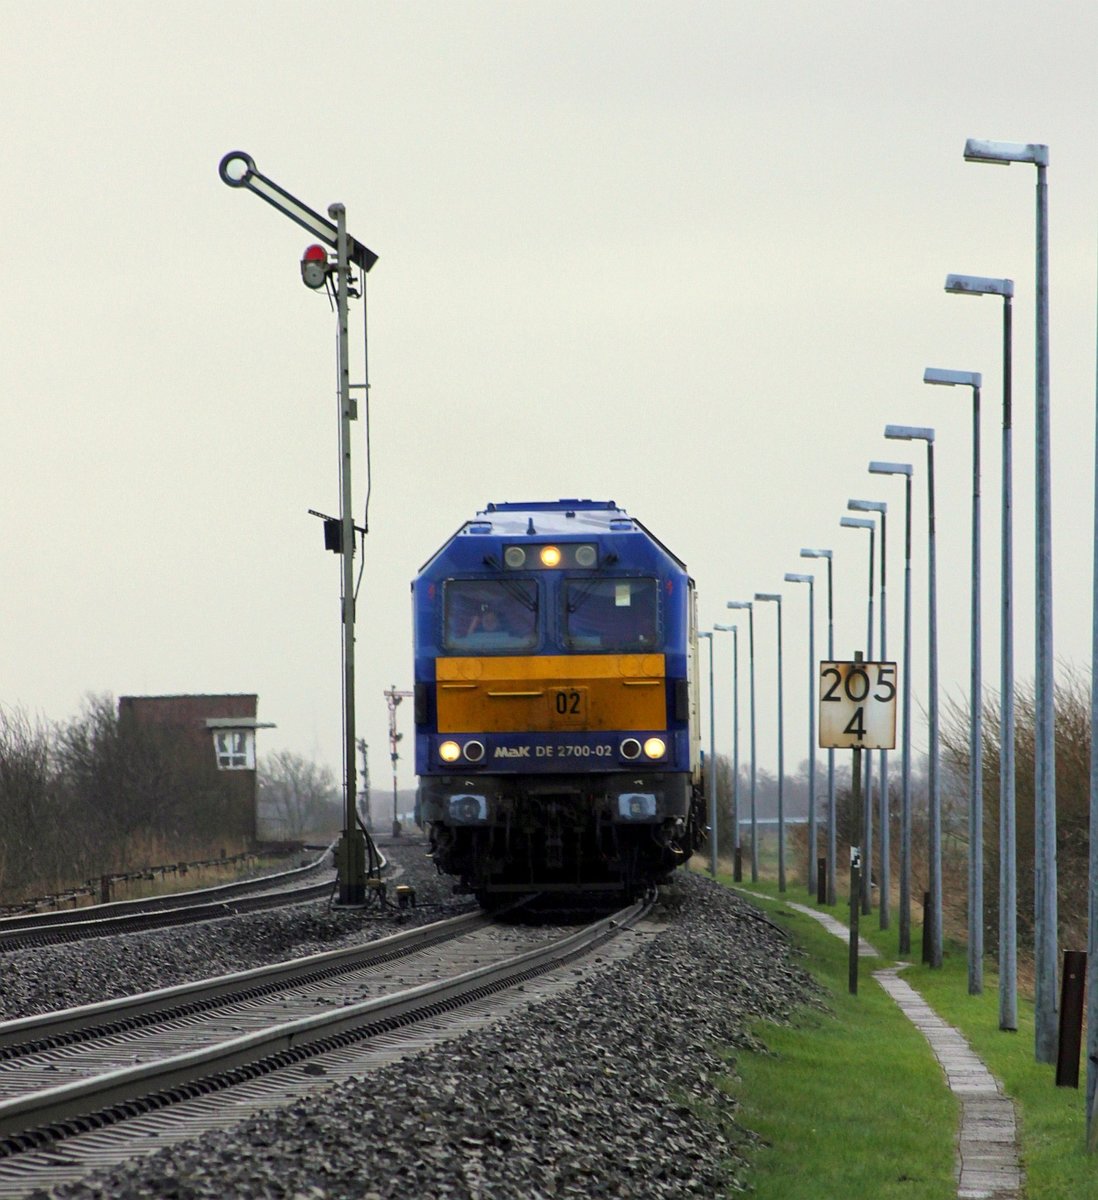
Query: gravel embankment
x=608, y=1090
x=33, y=981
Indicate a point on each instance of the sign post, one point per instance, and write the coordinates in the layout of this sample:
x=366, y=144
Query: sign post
x=857, y=712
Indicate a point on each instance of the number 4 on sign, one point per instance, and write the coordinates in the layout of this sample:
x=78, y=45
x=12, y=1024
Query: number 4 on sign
x=856, y=726
x=857, y=705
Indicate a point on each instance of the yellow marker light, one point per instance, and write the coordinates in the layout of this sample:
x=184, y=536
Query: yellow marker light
x=655, y=747
x=550, y=556
x=449, y=752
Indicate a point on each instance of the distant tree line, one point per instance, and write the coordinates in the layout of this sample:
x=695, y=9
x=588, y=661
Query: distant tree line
x=97, y=795
x=1072, y=704
x=297, y=796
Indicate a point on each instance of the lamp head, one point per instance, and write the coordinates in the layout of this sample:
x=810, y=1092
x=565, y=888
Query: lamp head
x=878, y=506
x=793, y=577
x=909, y=433
x=891, y=468
x=815, y=554
x=856, y=523
x=952, y=378
x=1005, y=153
x=979, y=285
x=768, y=596
x=739, y=604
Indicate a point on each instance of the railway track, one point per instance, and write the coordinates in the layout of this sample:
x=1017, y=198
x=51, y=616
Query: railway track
x=298, y=886
x=89, y=1086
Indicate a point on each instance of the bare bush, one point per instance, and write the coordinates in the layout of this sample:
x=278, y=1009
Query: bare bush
x=1072, y=727
x=296, y=795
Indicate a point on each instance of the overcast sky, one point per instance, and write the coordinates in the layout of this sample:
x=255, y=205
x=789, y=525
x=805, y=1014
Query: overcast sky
x=686, y=256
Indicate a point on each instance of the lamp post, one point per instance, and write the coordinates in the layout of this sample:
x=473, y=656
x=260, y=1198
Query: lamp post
x=827, y=554
x=775, y=598
x=883, y=815
x=867, y=799
x=1044, y=750
x=793, y=577
x=712, y=788
x=751, y=689
x=974, y=380
x=737, y=858
x=979, y=285
x=238, y=170
x=910, y=433
x=905, y=469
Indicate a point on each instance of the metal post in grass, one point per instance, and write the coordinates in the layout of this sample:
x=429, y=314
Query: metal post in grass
x=855, y=868
x=857, y=712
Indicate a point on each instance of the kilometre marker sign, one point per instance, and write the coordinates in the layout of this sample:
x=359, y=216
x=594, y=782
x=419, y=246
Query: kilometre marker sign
x=857, y=705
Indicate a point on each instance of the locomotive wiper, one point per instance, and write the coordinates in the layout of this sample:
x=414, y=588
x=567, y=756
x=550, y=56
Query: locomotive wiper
x=513, y=587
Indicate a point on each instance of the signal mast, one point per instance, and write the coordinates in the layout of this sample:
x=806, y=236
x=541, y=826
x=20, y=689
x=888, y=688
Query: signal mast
x=393, y=698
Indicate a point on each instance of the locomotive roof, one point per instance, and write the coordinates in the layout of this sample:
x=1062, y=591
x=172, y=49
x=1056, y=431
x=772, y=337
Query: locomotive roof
x=555, y=519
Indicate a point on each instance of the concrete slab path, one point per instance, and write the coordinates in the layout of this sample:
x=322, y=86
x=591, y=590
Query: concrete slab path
x=988, y=1166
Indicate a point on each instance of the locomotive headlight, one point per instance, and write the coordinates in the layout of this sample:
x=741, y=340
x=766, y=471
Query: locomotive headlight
x=550, y=556
x=586, y=556
x=655, y=747
x=449, y=752
x=630, y=748
x=514, y=556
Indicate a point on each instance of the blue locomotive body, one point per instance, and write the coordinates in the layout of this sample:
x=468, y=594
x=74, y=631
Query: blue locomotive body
x=556, y=717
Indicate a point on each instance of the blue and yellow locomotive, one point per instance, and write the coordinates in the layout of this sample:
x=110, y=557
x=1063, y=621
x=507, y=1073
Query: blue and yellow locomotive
x=556, y=715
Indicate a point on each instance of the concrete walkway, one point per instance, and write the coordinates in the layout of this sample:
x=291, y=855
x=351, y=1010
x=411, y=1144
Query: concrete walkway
x=987, y=1145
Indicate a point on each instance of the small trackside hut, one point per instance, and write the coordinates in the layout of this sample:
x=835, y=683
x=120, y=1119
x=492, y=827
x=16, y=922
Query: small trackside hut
x=555, y=702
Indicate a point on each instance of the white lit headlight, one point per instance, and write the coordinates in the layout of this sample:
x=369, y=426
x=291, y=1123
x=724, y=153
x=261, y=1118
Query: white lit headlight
x=449, y=752
x=655, y=747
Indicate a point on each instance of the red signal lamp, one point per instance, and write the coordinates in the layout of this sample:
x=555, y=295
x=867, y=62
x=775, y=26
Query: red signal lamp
x=314, y=266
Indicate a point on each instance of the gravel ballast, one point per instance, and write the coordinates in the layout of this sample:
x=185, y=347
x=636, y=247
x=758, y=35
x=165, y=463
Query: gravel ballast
x=609, y=1089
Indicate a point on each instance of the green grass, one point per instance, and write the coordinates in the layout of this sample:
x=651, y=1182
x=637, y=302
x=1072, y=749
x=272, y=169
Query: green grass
x=852, y=1102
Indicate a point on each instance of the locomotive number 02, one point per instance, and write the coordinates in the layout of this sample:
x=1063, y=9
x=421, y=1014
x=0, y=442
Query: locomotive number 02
x=857, y=705
x=569, y=703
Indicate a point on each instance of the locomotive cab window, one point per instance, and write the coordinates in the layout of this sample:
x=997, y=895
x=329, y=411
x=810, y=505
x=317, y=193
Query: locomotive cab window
x=490, y=616
x=611, y=614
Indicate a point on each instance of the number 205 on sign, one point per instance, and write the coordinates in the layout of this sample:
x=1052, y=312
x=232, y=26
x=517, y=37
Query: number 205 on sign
x=857, y=705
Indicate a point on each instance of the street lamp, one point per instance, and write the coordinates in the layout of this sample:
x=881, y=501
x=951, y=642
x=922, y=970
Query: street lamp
x=737, y=858
x=978, y=285
x=905, y=469
x=1044, y=749
x=867, y=800
x=793, y=577
x=237, y=169
x=712, y=766
x=910, y=433
x=774, y=597
x=883, y=814
x=974, y=380
x=751, y=689
x=827, y=554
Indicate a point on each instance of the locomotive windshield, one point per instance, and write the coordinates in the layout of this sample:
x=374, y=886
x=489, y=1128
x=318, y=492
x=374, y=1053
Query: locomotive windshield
x=611, y=614
x=490, y=616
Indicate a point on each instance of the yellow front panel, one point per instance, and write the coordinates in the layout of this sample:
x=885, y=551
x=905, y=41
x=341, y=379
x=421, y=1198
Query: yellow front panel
x=542, y=694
